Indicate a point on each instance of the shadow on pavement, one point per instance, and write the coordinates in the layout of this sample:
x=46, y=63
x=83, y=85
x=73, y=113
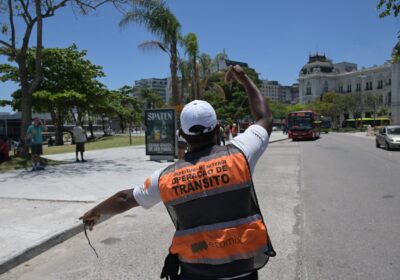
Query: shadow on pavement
x=74, y=169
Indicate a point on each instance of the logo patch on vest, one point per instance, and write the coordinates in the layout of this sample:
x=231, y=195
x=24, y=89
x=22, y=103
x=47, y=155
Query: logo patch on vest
x=199, y=246
x=203, y=245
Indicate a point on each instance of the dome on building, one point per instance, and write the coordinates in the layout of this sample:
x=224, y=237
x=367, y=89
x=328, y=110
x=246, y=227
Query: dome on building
x=317, y=63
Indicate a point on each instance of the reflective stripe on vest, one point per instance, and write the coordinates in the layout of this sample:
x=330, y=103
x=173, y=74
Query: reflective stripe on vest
x=225, y=173
x=221, y=243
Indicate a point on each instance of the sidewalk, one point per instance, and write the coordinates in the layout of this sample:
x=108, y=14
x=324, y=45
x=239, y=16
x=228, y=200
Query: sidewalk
x=41, y=209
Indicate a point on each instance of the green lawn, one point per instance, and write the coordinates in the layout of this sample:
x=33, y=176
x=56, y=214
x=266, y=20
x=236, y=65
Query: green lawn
x=98, y=144
x=101, y=143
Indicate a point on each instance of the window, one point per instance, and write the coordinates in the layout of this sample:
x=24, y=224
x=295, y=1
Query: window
x=368, y=85
x=308, y=90
x=348, y=88
x=380, y=84
x=358, y=87
x=326, y=86
x=380, y=100
x=340, y=88
x=389, y=98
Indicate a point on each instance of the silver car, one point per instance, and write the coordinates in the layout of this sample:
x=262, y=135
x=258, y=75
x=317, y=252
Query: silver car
x=388, y=137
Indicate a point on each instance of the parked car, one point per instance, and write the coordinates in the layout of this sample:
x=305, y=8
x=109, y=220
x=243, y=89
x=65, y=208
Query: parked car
x=388, y=137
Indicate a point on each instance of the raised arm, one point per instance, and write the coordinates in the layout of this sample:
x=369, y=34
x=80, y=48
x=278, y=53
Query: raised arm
x=258, y=105
x=116, y=204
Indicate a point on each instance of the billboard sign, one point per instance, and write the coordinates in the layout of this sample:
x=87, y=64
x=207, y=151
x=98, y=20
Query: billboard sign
x=160, y=132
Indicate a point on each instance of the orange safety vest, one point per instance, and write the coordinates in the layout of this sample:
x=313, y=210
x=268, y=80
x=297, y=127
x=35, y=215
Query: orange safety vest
x=211, y=199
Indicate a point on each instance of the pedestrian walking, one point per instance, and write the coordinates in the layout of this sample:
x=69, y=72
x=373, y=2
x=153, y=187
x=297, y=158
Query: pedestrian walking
x=34, y=136
x=285, y=129
x=227, y=132
x=209, y=194
x=234, y=130
x=80, y=140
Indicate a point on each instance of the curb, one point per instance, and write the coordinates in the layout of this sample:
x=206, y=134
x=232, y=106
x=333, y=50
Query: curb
x=43, y=246
x=279, y=140
x=52, y=241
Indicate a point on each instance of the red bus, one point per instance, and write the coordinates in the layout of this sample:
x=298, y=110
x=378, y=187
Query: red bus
x=304, y=125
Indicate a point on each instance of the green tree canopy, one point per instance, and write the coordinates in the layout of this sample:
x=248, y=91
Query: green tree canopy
x=21, y=18
x=151, y=98
x=69, y=80
x=230, y=100
x=191, y=46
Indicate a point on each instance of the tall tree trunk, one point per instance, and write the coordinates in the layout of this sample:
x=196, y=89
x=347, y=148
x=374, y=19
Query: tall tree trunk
x=199, y=95
x=103, y=126
x=59, y=130
x=91, y=129
x=26, y=109
x=194, y=78
x=182, y=87
x=174, y=75
x=122, y=123
x=28, y=88
x=192, y=88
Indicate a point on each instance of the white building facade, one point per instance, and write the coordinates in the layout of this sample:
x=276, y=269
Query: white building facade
x=158, y=85
x=320, y=75
x=277, y=92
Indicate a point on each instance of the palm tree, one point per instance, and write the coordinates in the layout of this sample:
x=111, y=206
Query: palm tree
x=192, y=49
x=152, y=98
x=184, y=69
x=160, y=21
x=206, y=63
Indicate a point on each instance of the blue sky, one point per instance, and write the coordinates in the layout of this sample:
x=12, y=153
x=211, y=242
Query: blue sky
x=274, y=37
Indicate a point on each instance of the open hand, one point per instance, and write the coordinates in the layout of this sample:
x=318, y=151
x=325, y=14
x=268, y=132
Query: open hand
x=235, y=72
x=90, y=218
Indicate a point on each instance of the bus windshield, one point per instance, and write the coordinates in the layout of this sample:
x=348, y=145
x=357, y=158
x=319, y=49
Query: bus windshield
x=299, y=122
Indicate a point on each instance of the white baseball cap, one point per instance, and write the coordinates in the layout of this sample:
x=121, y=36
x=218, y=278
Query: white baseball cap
x=198, y=112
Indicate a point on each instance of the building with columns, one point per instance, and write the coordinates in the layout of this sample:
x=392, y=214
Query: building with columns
x=321, y=75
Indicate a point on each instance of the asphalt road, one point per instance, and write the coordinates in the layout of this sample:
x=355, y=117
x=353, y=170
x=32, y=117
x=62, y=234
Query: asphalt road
x=332, y=207
x=351, y=209
x=133, y=245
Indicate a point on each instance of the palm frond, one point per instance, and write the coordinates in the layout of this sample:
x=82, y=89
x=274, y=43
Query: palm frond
x=152, y=45
x=129, y=17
